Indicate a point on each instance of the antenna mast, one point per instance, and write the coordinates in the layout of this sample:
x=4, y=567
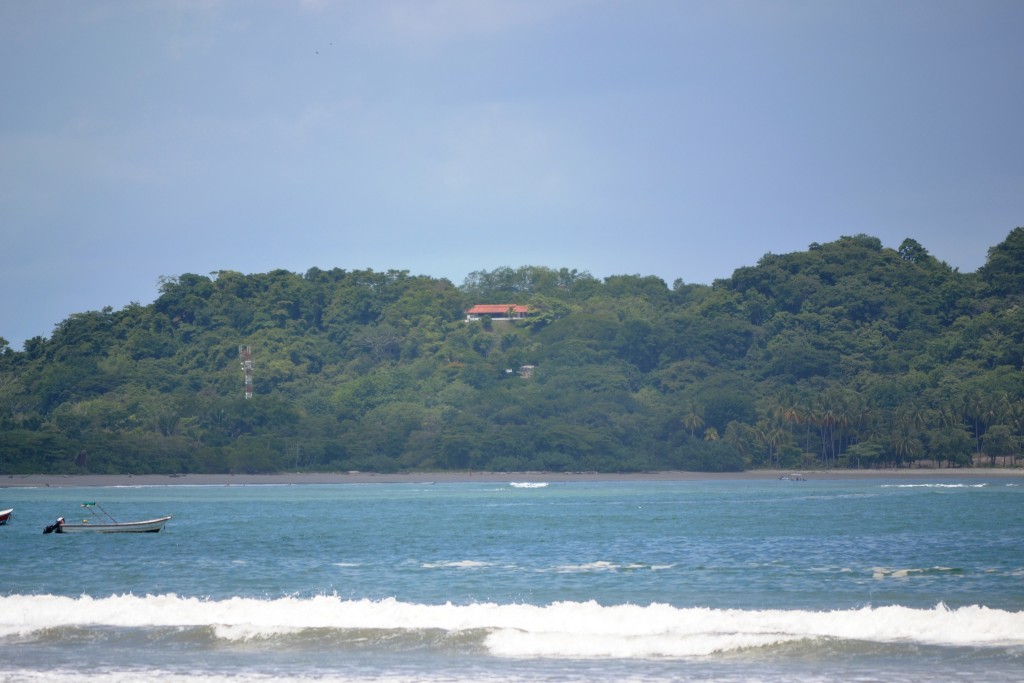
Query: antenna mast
x=245, y=353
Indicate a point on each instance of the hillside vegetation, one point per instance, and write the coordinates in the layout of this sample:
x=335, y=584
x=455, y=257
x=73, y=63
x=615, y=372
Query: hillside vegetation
x=848, y=354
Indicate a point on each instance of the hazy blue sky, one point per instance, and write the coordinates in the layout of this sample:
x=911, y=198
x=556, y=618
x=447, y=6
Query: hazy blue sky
x=682, y=139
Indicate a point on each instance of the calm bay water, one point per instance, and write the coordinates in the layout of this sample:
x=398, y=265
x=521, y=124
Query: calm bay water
x=873, y=580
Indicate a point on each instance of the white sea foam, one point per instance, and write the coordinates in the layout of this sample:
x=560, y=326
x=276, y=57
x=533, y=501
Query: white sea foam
x=457, y=564
x=599, y=566
x=605, y=566
x=243, y=676
x=934, y=486
x=562, y=629
x=528, y=484
x=891, y=573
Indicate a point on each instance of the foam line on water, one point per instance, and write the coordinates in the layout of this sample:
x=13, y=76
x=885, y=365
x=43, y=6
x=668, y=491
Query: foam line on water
x=561, y=629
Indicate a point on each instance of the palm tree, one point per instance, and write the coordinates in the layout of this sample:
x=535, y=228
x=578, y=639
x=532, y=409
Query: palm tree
x=860, y=415
x=825, y=419
x=906, y=443
x=981, y=409
x=735, y=436
x=770, y=436
x=1015, y=419
x=693, y=420
x=792, y=413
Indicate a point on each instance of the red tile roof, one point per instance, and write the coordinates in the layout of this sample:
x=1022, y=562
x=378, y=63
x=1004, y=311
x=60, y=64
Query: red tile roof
x=496, y=309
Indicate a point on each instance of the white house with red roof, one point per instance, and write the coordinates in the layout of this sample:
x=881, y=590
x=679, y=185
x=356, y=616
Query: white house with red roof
x=497, y=311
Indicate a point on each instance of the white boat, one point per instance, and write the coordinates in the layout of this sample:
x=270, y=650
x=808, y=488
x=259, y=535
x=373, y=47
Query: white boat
x=149, y=525
x=5, y=515
x=106, y=527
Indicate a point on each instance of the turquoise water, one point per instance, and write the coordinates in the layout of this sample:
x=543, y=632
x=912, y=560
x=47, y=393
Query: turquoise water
x=612, y=581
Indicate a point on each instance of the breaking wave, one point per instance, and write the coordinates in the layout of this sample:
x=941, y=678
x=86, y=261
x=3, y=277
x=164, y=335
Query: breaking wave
x=558, y=630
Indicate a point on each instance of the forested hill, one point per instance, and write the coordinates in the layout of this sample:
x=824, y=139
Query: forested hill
x=848, y=354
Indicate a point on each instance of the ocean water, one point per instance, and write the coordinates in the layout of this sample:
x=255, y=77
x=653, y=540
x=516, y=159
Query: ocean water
x=868, y=580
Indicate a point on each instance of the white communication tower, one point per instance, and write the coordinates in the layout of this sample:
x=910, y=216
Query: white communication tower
x=245, y=353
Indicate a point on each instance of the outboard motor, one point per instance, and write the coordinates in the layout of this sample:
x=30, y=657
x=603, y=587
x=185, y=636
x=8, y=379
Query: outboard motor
x=56, y=526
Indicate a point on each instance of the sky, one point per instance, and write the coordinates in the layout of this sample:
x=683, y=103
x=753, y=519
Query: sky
x=678, y=138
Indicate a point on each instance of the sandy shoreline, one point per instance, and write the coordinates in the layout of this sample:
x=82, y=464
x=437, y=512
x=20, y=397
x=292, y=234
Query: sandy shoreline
x=57, y=480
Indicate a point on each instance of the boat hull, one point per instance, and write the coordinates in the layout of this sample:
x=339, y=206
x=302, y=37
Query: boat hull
x=146, y=526
x=5, y=515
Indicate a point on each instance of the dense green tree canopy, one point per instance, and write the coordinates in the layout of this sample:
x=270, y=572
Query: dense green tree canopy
x=846, y=354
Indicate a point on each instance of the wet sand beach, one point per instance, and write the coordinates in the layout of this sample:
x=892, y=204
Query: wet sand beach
x=287, y=478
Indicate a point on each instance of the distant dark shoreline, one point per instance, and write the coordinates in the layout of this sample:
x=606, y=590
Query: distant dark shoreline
x=58, y=481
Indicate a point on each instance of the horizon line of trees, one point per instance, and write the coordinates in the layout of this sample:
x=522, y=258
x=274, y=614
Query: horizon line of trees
x=848, y=354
